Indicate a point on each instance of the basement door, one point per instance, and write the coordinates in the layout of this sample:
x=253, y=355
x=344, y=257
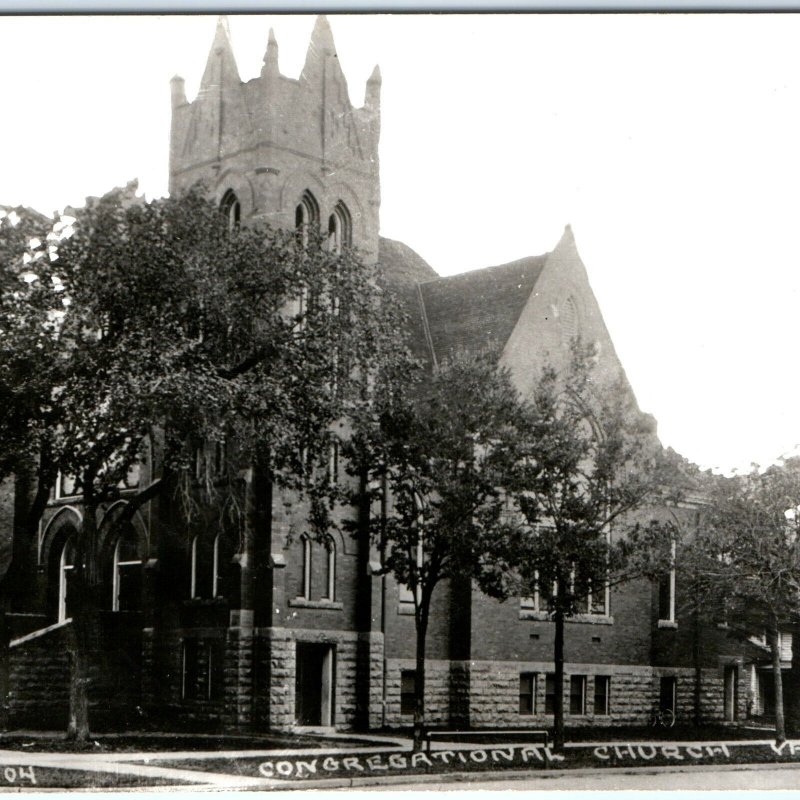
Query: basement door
x=314, y=684
x=731, y=696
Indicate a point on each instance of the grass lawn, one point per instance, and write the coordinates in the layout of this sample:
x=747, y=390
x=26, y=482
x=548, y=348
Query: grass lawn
x=165, y=742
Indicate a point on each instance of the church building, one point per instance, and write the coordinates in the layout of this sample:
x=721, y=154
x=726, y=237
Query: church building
x=285, y=633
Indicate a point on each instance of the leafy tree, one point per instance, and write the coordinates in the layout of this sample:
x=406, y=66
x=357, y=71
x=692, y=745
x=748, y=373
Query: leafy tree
x=155, y=321
x=587, y=460
x=745, y=561
x=433, y=452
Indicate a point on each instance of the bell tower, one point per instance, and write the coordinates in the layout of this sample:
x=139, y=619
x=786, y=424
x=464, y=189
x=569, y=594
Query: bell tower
x=287, y=151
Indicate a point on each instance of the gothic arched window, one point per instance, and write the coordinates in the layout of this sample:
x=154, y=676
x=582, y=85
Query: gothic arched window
x=66, y=563
x=306, y=215
x=306, y=568
x=330, y=566
x=340, y=228
x=215, y=573
x=231, y=209
x=193, y=569
x=570, y=324
x=127, y=575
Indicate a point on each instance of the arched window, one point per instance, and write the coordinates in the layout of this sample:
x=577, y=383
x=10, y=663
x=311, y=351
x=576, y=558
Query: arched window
x=215, y=576
x=340, y=228
x=231, y=209
x=330, y=577
x=65, y=567
x=306, y=567
x=127, y=577
x=193, y=568
x=570, y=327
x=306, y=216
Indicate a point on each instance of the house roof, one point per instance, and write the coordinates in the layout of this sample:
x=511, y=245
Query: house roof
x=476, y=311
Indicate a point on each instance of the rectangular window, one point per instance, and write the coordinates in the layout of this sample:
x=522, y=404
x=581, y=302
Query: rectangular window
x=602, y=694
x=203, y=669
x=216, y=669
x=577, y=694
x=666, y=592
x=190, y=683
x=408, y=680
x=527, y=693
x=550, y=693
x=667, y=693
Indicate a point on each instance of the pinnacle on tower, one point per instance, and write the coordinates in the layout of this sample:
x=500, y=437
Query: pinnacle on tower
x=373, y=94
x=271, y=56
x=320, y=49
x=221, y=65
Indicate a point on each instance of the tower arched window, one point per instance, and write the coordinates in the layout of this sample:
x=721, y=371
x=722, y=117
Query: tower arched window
x=340, y=228
x=231, y=209
x=306, y=216
x=66, y=564
x=127, y=575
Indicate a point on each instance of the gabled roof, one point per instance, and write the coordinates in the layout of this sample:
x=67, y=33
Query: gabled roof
x=476, y=311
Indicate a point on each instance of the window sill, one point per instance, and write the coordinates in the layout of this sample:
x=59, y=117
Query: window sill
x=205, y=601
x=592, y=619
x=586, y=619
x=327, y=605
x=667, y=624
x=405, y=609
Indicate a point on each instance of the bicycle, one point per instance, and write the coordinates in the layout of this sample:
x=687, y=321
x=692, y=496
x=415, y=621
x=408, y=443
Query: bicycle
x=664, y=717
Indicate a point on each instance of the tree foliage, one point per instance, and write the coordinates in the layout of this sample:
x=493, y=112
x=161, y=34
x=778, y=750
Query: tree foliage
x=587, y=460
x=134, y=322
x=744, y=563
x=434, y=451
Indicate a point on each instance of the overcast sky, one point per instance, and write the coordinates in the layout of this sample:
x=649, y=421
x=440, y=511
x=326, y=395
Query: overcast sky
x=670, y=143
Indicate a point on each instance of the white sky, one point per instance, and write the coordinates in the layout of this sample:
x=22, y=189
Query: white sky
x=670, y=143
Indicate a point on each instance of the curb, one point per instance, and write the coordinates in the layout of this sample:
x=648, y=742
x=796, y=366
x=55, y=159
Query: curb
x=504, y=775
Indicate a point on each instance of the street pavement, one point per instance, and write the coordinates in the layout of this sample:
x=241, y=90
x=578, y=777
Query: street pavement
x=739, y=778
x=87, y=770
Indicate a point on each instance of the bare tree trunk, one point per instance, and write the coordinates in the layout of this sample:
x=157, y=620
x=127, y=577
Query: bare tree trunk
x=558, y=700
x=84, y=609
x=419, y=677
x=780, y=723
x=78, y=725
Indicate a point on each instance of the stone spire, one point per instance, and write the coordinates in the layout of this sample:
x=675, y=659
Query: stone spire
x=322, y=63
x=221, y=65
x=271, y=57
x=372, y=99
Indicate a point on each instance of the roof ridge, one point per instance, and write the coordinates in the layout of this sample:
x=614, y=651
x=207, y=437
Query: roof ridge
x=515, y=262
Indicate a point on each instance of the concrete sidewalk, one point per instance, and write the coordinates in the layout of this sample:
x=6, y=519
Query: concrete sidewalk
x=128, y=766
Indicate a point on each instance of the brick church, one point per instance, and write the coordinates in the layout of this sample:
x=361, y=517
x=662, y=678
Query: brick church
x=290, y=634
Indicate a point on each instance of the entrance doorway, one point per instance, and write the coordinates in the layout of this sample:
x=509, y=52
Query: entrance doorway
x=314, y=684
x=731, y=680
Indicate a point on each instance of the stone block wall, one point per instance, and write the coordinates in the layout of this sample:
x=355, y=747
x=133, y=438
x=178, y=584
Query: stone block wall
x=40, y=674
x=39, y=682
x=446, y=685
x=357, y=678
